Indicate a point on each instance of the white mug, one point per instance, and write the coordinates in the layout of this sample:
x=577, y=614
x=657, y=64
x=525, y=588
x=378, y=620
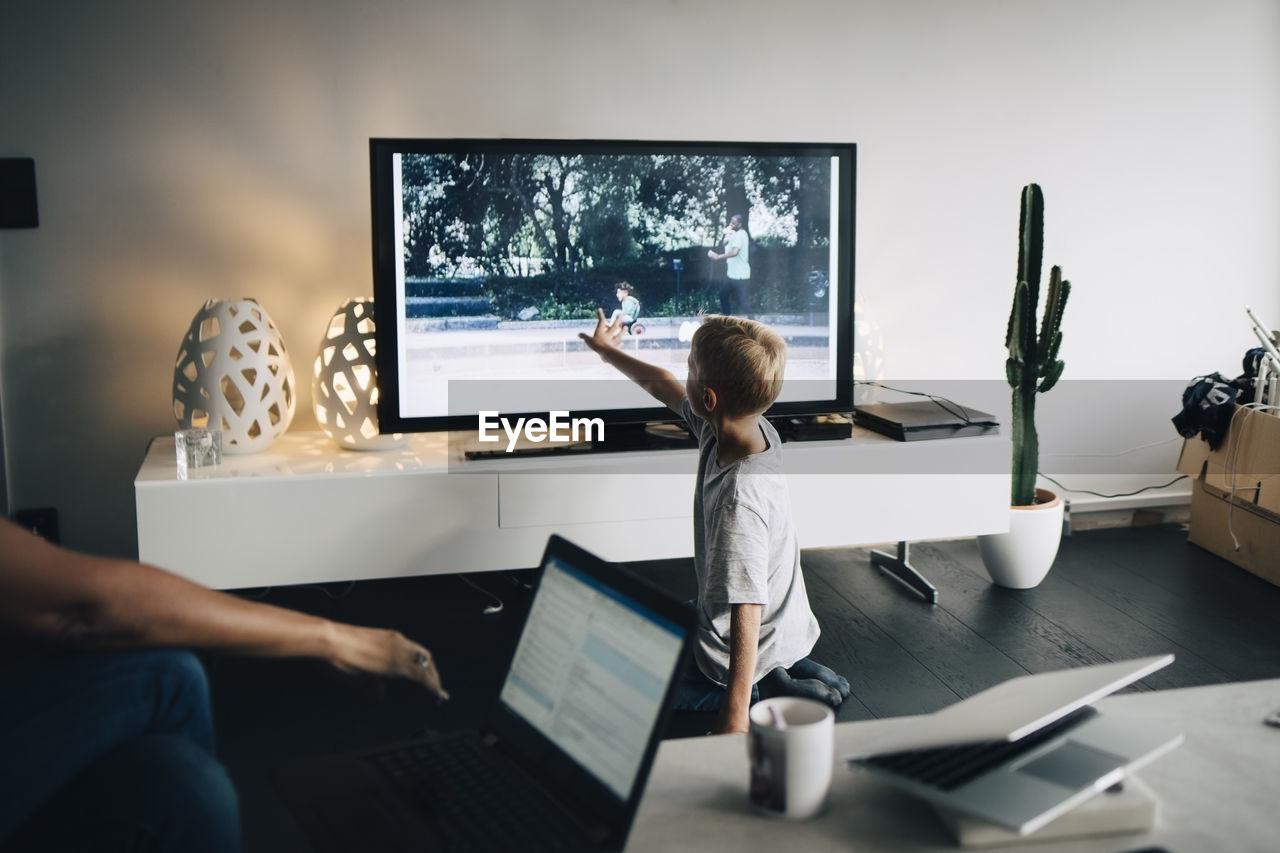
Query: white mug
x=791, y=748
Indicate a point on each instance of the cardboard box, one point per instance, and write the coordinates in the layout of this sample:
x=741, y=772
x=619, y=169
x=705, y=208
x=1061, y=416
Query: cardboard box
x=1244, y=529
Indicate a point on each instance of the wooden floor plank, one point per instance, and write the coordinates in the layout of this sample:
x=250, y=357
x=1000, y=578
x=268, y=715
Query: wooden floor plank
x=1037, y=644
x=1111, y=631
x=676, y=576
x=885, y=678
x=1194, y=617
x=963, y=660
x=1162, y=555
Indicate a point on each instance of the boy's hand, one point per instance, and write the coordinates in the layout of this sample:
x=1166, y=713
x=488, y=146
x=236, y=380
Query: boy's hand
x=606, y=341
x=606, y=335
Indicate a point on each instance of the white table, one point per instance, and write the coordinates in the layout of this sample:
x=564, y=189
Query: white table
x=305, y=511
x=1220, y=790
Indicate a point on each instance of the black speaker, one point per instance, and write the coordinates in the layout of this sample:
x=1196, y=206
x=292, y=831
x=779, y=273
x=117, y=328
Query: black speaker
x=18, y=193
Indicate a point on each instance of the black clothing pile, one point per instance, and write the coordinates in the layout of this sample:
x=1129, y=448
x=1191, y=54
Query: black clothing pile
x=1209, y=401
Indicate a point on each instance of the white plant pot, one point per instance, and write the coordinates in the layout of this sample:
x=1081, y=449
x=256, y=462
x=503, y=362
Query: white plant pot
x=1021, y=558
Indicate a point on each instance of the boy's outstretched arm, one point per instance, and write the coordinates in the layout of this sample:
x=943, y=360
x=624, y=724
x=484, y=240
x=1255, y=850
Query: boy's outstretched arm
x=744, y=637
x=660, y=383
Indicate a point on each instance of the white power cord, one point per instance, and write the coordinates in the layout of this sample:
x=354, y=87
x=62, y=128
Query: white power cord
x=490, y=609
x=1120, y=452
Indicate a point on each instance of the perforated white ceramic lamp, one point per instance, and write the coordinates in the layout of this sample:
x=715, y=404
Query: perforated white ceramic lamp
x=233, y=372
x=344, y=384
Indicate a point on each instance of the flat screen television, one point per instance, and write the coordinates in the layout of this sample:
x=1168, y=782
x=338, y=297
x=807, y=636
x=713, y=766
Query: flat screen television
x=490, y=256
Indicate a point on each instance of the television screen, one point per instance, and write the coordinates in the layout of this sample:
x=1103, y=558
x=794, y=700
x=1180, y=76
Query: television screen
x=491, y=256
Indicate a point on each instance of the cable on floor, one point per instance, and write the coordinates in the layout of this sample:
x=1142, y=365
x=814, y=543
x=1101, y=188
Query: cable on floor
x=490, y=609
x=1120, y=495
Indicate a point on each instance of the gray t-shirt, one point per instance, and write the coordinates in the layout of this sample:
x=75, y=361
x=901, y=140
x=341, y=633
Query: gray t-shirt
x=745, y=551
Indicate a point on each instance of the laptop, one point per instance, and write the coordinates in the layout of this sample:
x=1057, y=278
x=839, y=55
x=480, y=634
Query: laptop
x=563, y=757
x=1025, y=751
x=924, y=419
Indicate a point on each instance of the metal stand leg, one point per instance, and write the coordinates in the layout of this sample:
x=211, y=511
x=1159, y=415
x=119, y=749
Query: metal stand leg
x=900, y=569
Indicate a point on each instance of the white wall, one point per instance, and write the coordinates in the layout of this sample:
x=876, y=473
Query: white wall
x=192, y=150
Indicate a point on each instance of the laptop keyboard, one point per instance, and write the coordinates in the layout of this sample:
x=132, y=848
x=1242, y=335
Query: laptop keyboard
x=475, y=802
x=949, y=767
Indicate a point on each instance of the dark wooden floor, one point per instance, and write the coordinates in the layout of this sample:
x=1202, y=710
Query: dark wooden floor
x=1112, y=594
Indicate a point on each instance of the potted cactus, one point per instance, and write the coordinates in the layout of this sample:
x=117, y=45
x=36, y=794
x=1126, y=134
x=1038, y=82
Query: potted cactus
x=1022, y=557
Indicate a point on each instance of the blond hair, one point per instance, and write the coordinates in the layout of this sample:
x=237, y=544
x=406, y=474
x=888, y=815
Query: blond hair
x=743, y=360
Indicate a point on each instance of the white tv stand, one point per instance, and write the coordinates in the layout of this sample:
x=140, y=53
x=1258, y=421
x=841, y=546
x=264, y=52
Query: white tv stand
x=304, y=511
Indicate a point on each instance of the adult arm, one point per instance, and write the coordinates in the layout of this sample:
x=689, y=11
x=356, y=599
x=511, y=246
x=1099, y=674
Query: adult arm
x=744, y=637
x=74, y=599
x=659, y=382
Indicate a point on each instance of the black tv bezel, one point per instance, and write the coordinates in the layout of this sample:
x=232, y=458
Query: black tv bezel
x=381, y=151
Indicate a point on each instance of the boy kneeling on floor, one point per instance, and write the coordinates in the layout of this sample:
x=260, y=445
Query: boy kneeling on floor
x=755, y=628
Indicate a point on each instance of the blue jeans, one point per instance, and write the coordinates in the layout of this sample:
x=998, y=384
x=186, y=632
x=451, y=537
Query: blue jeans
x=111, y=751
x=696, y=692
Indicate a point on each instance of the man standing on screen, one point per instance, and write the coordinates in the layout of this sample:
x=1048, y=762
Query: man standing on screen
x=734, y=295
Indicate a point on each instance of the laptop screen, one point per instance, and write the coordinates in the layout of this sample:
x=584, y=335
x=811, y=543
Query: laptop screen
x=590, y=672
